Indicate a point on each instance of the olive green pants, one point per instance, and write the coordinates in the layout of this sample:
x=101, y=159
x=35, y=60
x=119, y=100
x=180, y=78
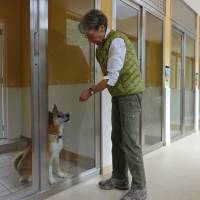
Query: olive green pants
x=126, y=148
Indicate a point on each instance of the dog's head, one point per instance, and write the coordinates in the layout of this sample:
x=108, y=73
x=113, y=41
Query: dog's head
x=56, y=117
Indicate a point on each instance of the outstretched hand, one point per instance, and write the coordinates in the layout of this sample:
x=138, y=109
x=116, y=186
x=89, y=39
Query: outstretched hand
x=85, y=95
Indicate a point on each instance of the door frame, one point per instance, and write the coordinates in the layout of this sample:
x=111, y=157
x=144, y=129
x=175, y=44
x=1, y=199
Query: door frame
x=41, y=62
x=2, y=90
x=184, y=33
x=142, y=9
x=174, y=29
x=35, y=186
x=161, y=17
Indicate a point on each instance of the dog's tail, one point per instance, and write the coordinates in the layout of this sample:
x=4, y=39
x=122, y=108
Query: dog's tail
x=18, y=160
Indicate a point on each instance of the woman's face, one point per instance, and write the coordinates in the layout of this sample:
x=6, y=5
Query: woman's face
x=96, y=36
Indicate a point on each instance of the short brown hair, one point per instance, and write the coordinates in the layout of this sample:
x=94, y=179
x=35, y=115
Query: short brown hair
x=92, y=20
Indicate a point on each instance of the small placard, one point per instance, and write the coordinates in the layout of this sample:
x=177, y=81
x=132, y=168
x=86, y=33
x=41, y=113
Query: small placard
x=167, y=72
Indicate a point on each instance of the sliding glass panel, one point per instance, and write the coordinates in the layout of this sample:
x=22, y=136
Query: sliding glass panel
x=127, y=22
x=1, y=81
x=189, y=84
x=199, y=80
x=152, y=98
x=16, y=166
x=175, y=84
x=71, y=135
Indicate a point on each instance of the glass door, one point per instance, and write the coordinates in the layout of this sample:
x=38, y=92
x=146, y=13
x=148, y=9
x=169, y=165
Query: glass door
x=1, y=78
x=189, y=84
x=72, y=126
x=176, y=84
x=19, y=150
x=153, y=73
x=128, y=22
x=182, y=83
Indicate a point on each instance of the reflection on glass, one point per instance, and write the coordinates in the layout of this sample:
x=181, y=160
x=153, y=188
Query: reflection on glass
x=175, y=84
x=189, y=84
x=152, y=97
x=15, y=98
x=70, y=71
x=199, y=82
x=127, y=22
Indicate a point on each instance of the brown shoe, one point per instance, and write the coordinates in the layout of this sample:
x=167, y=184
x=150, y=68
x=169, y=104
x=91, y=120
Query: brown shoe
x=113, y=183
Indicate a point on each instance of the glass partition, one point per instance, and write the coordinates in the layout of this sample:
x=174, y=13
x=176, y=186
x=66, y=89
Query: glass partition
x=71, y=133
x=152, y=97
x=127, y=22
x=189, y=84
x=18, y=174
x=176, y=84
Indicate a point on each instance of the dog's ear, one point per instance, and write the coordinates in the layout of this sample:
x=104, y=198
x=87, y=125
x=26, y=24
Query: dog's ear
x=55, y=109
x=50, y=118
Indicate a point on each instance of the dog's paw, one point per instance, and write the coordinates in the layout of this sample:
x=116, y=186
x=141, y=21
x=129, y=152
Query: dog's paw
x=62, y=174
x=23, y=179
x=52, y=181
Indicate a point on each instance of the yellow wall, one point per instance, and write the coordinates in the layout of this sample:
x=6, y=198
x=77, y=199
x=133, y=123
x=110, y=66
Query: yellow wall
x=106, y=7
x=10, y=15
x=154, y=63
x=26, y=63
x=15, y=19
x=66, y=63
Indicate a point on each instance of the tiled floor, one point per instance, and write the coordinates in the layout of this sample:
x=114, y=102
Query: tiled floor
x=9, y=182
x=173, y=173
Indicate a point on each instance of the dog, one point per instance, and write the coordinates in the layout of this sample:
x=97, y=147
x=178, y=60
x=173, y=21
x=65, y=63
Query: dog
x=23, y=164
x=55, y=141
x=23, y=161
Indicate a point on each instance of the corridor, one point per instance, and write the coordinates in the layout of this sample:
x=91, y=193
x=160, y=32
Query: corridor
x=173, y=173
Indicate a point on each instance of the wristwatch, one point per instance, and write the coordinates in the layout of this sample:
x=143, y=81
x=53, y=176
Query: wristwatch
x=91, y=91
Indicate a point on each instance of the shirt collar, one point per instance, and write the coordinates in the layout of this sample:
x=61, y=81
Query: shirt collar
x=107, y=32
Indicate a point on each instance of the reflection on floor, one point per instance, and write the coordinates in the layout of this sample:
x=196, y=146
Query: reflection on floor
x=70, y=169
x=9, y=182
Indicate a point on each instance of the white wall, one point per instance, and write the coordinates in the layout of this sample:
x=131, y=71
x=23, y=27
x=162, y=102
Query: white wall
x=17, y=112
x=106, y=128
x=13, y=110
x=79, y=133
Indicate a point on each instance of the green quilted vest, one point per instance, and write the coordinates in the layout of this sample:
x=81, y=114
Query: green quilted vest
x=129, y=81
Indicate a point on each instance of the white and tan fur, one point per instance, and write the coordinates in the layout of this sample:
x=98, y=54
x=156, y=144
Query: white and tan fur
x=55, y=141
x=23, y=161
x=23, y=164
